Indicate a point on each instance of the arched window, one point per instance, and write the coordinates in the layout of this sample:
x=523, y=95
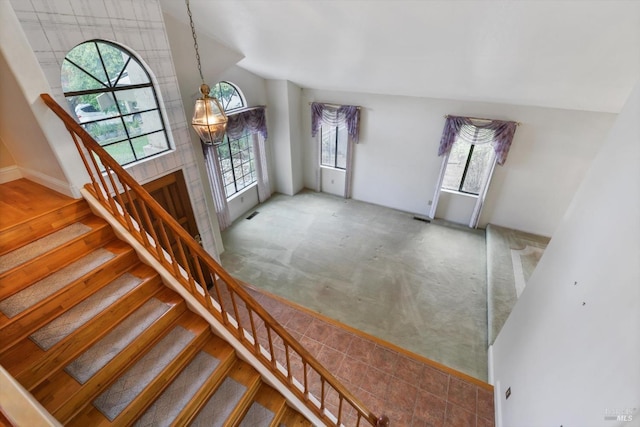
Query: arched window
x=230, y=97
x=113, y=98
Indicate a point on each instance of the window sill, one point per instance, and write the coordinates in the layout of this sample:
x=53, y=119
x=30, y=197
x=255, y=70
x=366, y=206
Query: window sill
x=459, y=193
x=332, y=168
x=241, y=192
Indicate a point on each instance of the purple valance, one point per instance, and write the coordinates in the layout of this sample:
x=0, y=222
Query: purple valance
x=478, y=131
x=334, y=116
x=248, y=121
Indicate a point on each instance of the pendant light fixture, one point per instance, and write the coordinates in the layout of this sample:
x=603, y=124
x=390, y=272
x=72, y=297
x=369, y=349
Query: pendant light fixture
x=209, y=120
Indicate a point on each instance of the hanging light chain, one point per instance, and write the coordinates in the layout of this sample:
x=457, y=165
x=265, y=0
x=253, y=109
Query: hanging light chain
x=195, y=40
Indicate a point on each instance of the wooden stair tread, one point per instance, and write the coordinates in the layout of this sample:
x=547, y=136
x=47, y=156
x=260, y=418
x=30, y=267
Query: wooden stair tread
x=61, y=388
x=21, y=325
x=249, y=377
x=43, y=265
x=222, y=351
x=29, y=364
x=90, y=415
x=272, y=400
x=292, y=418
x=17, y=199
x=63, y=378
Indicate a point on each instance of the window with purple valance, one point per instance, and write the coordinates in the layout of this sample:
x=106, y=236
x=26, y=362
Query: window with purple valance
x=333, y=116
x=478, y=131
x=252, y=120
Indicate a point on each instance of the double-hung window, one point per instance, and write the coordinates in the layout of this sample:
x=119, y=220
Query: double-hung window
x=469, y=165
x=333, y=146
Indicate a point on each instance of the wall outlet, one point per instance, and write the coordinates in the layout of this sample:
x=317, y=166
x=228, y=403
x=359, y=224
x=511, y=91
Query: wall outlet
x=507, y=393
x=430, y=202
x=241, y=199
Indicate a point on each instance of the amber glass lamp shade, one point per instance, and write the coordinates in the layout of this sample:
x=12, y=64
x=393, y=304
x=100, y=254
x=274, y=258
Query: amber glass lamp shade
x=209, y=120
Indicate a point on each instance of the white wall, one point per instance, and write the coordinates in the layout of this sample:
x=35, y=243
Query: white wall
x=284, y=135
x=241, y=203
x=395, y=163
x=456, y=207
x=570, y=352
x=332, y=181
x=23, y=125
x=295, y=133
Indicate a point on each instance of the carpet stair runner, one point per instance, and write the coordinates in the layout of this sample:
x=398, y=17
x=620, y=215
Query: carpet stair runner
x=95, y=336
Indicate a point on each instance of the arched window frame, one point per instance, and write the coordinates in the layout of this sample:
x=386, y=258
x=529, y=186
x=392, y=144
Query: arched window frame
x=230, y=96
x=128, y=122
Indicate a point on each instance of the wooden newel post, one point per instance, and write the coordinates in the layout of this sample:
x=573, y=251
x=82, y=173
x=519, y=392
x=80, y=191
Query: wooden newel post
x=383, y=421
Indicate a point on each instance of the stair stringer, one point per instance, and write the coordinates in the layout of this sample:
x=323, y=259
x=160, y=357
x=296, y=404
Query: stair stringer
x=216, y=326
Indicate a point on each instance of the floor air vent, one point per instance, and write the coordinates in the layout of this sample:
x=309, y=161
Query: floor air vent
x=252, y=215
x=421, y=218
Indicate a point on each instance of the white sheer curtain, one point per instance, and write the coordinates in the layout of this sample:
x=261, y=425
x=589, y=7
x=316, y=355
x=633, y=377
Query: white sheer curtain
x=349, y=170
x=262, y=170
x=217, y=186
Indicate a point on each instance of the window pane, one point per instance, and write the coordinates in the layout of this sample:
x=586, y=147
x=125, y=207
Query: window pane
x=455, y=165
x=107, y=131
x=114, y=60
x=133, y=74
x=230, y=190
x=479, y=168
x=134, y=100
x=74, y=79
x=86, y=57
x=121, y=152
x=228, y=95
x=92, y=107
x=328, y=146
x=139, y=123
x=148, y=145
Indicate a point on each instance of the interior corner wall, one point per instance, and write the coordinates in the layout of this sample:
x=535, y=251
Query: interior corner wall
x=284, y=135
x=54, y=28
x=22, y=81
x=569, y=351
x=6, y=158
x=396, y=163
x=295, y=134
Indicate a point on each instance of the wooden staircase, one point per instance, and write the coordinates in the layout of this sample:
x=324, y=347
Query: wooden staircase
x=90, y=375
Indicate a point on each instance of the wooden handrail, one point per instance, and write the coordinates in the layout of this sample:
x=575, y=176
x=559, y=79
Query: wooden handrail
x=193, y=267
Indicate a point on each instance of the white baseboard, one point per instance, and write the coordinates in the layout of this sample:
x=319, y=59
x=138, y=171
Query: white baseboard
x=50, y=182
x=10, y=173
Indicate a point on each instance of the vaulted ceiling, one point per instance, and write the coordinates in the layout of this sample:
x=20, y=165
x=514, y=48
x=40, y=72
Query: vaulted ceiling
x=575, y=54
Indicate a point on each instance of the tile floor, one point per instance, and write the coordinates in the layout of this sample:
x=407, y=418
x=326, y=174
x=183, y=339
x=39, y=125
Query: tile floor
x=409, y=390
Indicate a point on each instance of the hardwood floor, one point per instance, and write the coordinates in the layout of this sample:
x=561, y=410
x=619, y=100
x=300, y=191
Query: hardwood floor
x=16, y=201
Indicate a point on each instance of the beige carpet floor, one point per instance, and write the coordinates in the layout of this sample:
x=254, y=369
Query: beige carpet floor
x=420, y=286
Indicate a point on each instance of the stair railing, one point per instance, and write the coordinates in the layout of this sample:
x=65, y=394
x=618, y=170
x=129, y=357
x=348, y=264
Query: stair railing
x=231, y=304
